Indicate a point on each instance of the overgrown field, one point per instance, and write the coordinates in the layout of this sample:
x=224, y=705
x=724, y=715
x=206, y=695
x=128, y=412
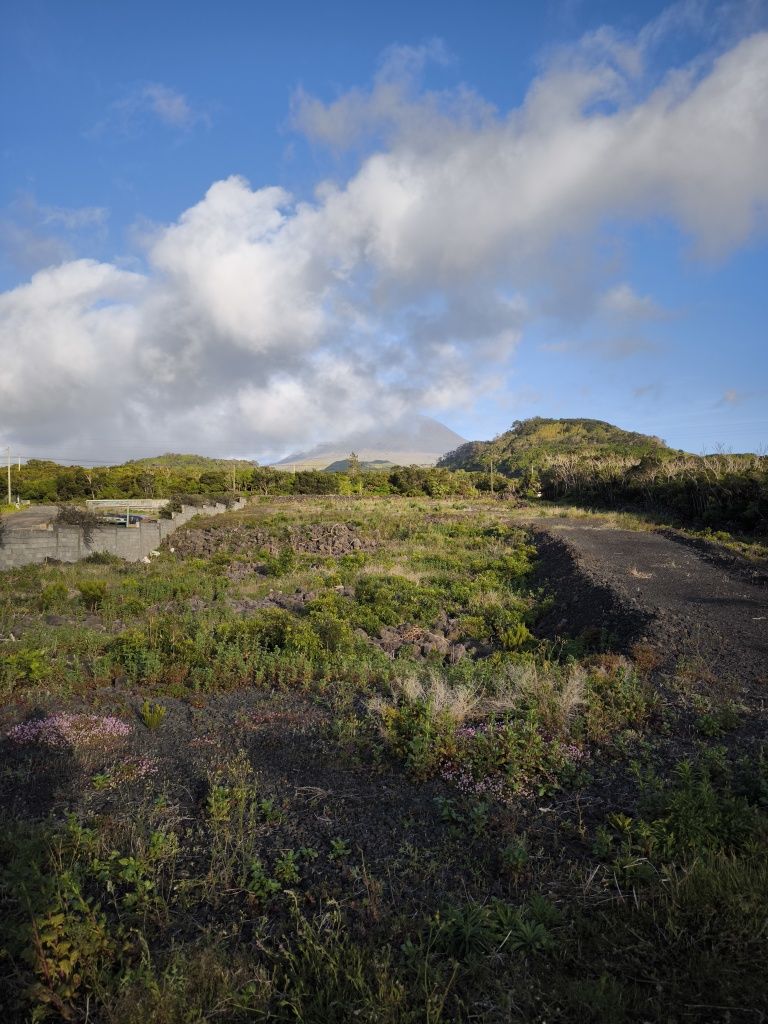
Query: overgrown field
x=314, y=764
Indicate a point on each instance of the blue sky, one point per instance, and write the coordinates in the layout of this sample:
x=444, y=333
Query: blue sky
x=242, y=228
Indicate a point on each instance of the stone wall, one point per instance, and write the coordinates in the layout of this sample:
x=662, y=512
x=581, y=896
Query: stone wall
x=67, y=543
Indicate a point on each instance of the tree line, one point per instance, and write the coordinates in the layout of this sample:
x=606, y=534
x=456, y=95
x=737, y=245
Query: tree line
x=39, y=480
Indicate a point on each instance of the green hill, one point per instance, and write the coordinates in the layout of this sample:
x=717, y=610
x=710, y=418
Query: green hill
x=537, y=441
x=172, y=460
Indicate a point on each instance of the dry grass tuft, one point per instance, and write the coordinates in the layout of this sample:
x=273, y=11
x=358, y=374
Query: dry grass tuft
x=405, y=572
x=555, y=694
x=454, y=702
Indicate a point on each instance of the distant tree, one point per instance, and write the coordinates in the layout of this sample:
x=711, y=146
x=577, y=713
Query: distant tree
x=353, y=469
x=72, y=482
x=213, y=482
x=313, y=482
x=146, y=482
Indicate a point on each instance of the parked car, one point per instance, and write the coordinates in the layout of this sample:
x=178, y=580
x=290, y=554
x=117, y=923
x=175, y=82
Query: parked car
x=120, y=520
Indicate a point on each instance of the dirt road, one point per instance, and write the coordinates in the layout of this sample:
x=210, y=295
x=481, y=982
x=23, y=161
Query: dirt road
x=687, y=604
x=34, y=517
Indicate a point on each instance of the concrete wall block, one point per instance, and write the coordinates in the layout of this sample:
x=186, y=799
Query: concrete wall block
x=67, y=544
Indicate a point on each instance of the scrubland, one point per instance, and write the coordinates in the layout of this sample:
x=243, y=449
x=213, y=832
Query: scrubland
x=315, y=763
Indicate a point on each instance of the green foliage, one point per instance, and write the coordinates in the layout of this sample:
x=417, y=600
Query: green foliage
x=719, y=720
x=310, y=890
x=595, y=463
x=702, y=809
x=159, y=477
x=102, y=558
x=615, y=699
x=71, y=515
x=152, y=715
x=515, y=856
x=281, y=564
x=409, y=481
x=92, y=593
x=531, y=444
x=472, y=930
x=287, y=868
x=53, y=595
x=340, y=849
x=25, y=666
x=713, y=491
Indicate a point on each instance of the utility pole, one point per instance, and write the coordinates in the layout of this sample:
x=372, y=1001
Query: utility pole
x=8, y=453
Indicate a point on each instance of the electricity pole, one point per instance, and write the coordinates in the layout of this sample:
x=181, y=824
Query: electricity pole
x=8, y=453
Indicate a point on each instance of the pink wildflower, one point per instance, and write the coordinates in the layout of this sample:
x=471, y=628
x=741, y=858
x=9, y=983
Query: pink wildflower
x=65, y=730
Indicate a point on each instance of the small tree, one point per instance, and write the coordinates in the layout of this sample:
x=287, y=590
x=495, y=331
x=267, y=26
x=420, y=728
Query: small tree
x=353, y=470
x=71, y=515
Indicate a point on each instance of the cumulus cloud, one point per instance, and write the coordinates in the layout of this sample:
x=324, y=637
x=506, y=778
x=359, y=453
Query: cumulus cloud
x=260, y=322
x=68, y=337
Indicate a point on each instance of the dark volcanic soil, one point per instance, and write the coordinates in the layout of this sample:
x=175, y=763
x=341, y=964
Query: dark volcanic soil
x=656, y=589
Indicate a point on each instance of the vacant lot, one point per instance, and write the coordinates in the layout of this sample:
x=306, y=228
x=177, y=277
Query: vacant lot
x=374, y=760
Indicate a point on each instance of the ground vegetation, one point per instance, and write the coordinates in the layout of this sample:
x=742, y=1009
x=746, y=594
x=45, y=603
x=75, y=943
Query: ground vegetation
x=322, y=760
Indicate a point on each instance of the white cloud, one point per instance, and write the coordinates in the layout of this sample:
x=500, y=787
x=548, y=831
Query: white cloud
x=151, y=102
x=732, y=397
x=262, y=322
x=623, y=302
x=168, y=105
x=73, y=218
x=391, y=105
x=68, y=339
x=34, y=235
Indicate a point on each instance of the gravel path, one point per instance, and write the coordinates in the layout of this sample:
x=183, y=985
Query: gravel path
x=653, y=587
x=34, y=517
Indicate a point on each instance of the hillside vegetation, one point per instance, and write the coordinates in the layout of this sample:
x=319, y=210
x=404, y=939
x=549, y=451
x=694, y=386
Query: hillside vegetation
x=203, y=463
x=537, y=441
x=594, y=463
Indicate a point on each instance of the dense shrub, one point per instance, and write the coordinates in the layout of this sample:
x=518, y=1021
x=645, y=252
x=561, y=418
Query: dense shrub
x=719, y=491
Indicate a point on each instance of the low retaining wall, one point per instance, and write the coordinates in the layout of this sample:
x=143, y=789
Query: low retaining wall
x=121, y=504
x=67, y=543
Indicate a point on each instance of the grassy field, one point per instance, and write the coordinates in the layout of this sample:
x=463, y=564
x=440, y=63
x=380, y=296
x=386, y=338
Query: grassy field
x=313, y=764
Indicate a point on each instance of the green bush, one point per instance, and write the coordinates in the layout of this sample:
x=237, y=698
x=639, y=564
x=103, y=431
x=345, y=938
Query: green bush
x=53, y=595
x=92, y=593
x=698, y=811
x=30, y=665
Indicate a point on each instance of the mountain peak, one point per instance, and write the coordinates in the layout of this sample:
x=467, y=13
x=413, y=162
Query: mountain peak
x=410, y=440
